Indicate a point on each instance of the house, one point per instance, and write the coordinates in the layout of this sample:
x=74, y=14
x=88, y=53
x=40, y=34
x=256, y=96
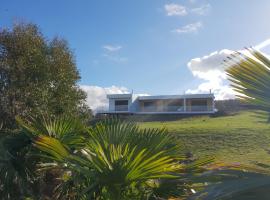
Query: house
x=161, y=104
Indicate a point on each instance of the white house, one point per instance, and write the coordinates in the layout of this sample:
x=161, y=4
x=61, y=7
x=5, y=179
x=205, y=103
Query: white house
x=161, y=104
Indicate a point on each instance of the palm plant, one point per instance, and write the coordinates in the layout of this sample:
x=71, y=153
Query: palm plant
x=118, y=159
x=235, y=182
x=111, y=160
x=19, y=162
x=249, y=74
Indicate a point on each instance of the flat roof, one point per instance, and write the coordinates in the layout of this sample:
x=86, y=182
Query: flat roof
x=187, y=96
x=119, y=96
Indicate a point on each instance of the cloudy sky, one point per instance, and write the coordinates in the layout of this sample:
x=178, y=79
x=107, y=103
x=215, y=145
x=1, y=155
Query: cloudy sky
x=148, y=46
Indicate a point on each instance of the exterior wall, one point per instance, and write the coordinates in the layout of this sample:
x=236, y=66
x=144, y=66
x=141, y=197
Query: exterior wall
x=164, y=104
x=129, y=103
x=175, y=105
x=112, y=103
x=160, y=106
x=134, y=106
x=210, y=104
x=188, y=104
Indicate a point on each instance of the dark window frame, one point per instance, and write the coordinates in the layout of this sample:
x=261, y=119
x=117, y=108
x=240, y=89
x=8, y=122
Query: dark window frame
x=121, y=102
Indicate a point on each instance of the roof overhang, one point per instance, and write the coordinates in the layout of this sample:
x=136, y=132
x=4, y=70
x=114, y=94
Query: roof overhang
x=119, y=96
x=186, y=96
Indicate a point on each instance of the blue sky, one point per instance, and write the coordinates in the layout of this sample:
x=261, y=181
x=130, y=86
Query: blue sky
x=146, y=45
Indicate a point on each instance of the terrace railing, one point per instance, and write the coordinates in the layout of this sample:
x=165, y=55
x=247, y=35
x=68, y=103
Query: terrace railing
x=199, y=108
x=174, y=109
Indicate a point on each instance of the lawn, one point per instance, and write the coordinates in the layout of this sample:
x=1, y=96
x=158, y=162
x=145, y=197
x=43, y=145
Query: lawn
x=243, y=137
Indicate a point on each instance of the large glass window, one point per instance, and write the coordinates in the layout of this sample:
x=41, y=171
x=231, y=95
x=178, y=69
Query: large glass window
x=199, y=105
x=121, y=105
x=199, y=102
x=121, y=102
x=149, y=104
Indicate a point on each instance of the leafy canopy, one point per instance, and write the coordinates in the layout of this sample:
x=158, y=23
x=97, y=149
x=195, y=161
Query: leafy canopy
x=37, y=75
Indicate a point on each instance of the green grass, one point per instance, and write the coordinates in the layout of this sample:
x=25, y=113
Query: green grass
x=243, y=137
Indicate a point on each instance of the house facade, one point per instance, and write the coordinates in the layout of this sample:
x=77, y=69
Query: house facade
x=161, y=104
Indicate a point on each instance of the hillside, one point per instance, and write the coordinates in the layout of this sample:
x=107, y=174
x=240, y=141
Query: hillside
x=243, y=137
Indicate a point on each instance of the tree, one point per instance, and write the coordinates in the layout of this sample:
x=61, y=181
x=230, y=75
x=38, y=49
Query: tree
x=37, y=75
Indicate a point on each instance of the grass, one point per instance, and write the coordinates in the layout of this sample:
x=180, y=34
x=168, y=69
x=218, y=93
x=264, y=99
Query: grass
x=242, y=138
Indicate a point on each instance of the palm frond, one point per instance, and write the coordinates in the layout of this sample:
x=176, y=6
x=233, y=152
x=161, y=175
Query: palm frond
x=250, y=77
x=234, y=184
x=70, y=131
x=116, y=157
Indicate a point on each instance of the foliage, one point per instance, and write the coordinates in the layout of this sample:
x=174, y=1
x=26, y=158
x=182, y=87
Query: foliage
x=16, y=167
x=249, y=74
x=235, y=183
x=20, y=164
x=240, y=138
x=117, y=161
x=37, y=75
x=111, y=160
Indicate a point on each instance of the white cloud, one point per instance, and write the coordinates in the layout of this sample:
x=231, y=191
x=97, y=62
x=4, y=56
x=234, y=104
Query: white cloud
x=96, y=96
x=173, y=9
x=190, y=28
x=202, y=10
x=221, y=89
x=211, y=70
x=112, y=48
x=210, y=65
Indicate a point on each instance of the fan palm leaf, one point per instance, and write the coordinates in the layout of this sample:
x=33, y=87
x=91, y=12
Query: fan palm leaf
x=70, y=131
x=249, y=74
x=117, y=157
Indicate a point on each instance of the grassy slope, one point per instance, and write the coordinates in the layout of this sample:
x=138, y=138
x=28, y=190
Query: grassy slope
x=243, y=138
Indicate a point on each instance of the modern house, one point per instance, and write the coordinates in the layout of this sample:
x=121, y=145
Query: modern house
x=162, y=104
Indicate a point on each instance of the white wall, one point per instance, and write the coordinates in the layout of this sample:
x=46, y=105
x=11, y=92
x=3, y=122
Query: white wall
x=111, y=104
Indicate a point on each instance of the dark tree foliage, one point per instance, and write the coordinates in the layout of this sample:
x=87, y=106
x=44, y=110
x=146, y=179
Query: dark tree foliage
x=37, y=76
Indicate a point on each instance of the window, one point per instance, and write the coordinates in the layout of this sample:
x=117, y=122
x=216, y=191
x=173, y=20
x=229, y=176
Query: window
x=149, y=103
x=199, y=102
x=121, y=102
x=175, y=103
x=121, y=105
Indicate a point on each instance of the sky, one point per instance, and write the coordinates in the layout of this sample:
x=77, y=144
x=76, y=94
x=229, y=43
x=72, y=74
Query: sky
x=148, y=46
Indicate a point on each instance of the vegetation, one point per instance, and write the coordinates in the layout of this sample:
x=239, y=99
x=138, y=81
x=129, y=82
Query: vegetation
x=249, y=73
x=112, y=160
x=239, y=138
x=57, y=156
x=37, y=75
